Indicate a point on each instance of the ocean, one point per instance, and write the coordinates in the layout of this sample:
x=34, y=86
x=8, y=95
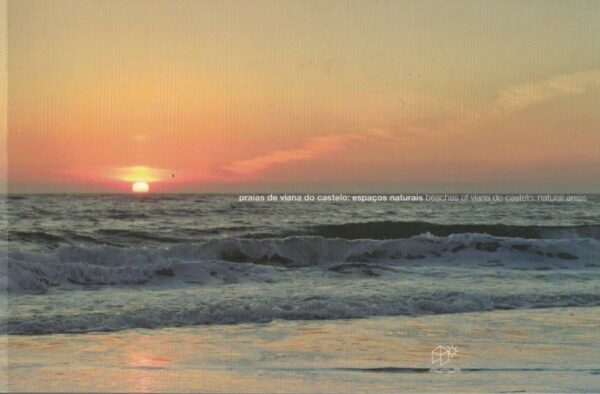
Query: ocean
x=300, y=293
x=102, y=263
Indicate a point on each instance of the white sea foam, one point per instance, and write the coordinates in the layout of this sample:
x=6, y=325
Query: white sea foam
x=233, y=260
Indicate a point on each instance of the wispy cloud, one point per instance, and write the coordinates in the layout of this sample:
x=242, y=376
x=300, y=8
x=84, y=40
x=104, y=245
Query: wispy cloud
x=470, y=121
x=313, y=148
x=523, y=96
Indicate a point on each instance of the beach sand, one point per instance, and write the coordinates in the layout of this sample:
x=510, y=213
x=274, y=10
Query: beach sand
x=537, y=350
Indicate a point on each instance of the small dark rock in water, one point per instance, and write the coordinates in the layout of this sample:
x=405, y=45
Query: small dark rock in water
x=235, y=255
x=276, y=259
x=417, y=257
x=367, y=269
x=522, y=248
x=458, y=248
x=366, y=256
x=487, y=246
x=566, y=256
x=495, y=263
x=346, y=267
x=370, y=272
x=165, y=272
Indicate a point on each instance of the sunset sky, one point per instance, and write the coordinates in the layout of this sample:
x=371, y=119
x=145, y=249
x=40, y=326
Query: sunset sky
x=227, y=96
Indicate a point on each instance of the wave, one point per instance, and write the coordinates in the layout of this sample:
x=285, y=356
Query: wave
x=236, y=259
x=125, y=235
x=126, y=215
x=262, y=310
x=377, y=230
x=394, y=230
x=35, y=236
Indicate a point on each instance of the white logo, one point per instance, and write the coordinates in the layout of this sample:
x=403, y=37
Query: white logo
x=441, y=356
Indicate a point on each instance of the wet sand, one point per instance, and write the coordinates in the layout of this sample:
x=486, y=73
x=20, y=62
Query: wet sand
x=542, y=350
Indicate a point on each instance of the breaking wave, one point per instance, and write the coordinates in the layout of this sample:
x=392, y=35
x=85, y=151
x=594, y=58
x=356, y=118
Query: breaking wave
x=239, y=259
x=395, y=229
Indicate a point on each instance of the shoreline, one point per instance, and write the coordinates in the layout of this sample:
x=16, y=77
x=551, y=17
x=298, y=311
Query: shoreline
x=535, y=350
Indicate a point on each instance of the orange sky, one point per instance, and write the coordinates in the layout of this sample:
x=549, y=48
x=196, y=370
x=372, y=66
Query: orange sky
x=301, y=95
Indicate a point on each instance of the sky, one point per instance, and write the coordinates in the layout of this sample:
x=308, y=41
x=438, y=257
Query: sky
x=270, y=96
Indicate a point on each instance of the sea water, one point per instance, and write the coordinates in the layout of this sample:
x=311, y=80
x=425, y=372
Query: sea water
x=89, y=263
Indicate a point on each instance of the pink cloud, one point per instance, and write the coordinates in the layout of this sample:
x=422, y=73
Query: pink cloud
x=314, y=148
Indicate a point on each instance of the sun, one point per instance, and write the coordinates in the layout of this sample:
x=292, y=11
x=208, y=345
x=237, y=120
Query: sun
x=140, y=187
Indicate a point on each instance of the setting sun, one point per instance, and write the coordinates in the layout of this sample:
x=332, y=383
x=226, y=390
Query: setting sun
x=140, y=187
